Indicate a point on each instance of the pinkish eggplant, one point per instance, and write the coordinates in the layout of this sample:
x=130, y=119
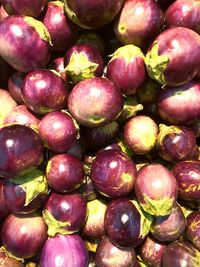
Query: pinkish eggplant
x=64, y=173
x=61, y=216
x=62, y=31
x=15, y=86
x=15, y=45
x=156, y=189
x=184, y=13
x=113, y=173
x=83, y=61
x=97, y=13
x=173, y=59
x=93, y=91
x=180, y=105
x=193, y=228
x=20, y=150
x=126, y=69
x=139, y=22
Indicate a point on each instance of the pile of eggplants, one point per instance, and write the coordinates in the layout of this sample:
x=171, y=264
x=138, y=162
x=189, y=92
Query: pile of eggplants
x=100, y=133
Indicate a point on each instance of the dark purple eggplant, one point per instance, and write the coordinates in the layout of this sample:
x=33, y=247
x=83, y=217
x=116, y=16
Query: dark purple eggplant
x=15, y=45
x=7, y=104
x=173, y=59
x=156, y=189
x=44, y=91
x=64, y=251
x=109, y=255
x=93, y=91
x=139, y=22
x=64, y=173
x=62, y=31
x=23, y=235
x=20, y=150
x=126, y=223
x=113, y=173
x=61, y=216
x=15, y=86
x=193, y=228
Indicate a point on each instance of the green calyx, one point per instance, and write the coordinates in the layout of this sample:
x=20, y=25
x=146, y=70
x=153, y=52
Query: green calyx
x=33, y=183
x=80, y=67
x=141, y=262
x=156, y=64
x=40, y=28
x=159, y=207
x=124, y=147
x=145, y=221
x=54, y=226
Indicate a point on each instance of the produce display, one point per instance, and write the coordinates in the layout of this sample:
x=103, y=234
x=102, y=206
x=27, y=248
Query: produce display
x=100, y=133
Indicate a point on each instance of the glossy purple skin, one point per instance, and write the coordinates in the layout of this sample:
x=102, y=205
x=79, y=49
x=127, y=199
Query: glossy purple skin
x=70, y=249
x=64, y=209
x=181, y=46
x=109, y=99
x=92, y=54
x=23, y=235
x=139, y=22
x=7, y=261
x=109, y=255
x=193, y=228
x=180, y=105
x=113, y=173
x=97, y=14
x=187, y=174
x=184, y=13
x=16, y=48
x=157, y=183
x=58, y=65
x=58, y=131
x=127, y=77
x=24, y=7
x=178, y=146
x=169, y=228
x=21, y=115
x=180, y=254
x=6, y=71
x=20, y=150
x=125, y=233
x=64, y=173
x=63, y=32
x=151, y=252
x=4, y=211
x=44, y=91
x=15, y=86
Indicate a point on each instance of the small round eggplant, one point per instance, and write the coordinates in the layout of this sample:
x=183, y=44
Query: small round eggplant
x=156, y=189
x=7, y=104
x=113, y=173
x=193, y=228
x=15, y=86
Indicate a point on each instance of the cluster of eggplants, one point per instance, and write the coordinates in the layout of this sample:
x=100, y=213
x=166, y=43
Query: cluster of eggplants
x=100, y=133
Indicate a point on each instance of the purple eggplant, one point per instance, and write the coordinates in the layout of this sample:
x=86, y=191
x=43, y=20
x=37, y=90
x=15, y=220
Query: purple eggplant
x=4, y=210
x=126, y=69
x=109, y=255
x=176, y=143
x=62, y=31
x=57, y=64
x=187, y=174
x=193, y=228
x=20, y=150
x=27, y=193
x=180, y=105
x=140, y=133
x=15, y=45
x=126, y=223
x=64, y=173
x=174, y=49
x=171, y=227
x=7, y=261
x=93, y=91
x=61, y=216
x=58, y=131
x=7, y=104
x=113, y=173
x=139, y=22
x=184, y=13
x=83, y=61
x=97, y=13
x=156, y=189
x=64, y=251
x=15, y=86
x=44, y=91
x=181, y=254
x=22, y=236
